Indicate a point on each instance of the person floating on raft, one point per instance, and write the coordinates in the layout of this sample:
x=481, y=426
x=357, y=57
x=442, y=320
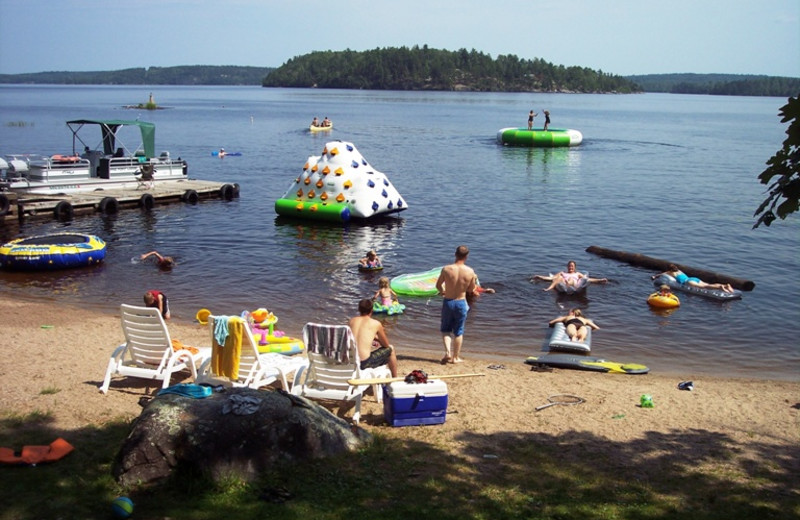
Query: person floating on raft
x=370, y=261
x=570, y=280
x=663, y=298
x=683, y=279
x=385, y=299
x=576, y=324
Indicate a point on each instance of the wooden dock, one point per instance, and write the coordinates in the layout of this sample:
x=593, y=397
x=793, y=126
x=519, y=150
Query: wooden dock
x=20, y=206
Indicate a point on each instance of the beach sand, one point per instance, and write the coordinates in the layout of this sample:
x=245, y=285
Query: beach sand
x=54, y=358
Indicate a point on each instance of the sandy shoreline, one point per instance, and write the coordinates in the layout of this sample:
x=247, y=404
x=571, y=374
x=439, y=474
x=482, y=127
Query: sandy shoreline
x=55, y=358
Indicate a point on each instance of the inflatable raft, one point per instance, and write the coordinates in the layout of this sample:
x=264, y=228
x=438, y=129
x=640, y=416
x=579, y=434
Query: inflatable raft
x=669, y=301
x=551, y=138
x=559, y=341
x=715, y=294
x=320, y=128
x=394, y=308
x=48, y=252
x=338, y=186
x=417, y=284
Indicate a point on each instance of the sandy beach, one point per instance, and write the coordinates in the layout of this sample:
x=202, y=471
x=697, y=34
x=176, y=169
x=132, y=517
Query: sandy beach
x=55, y=357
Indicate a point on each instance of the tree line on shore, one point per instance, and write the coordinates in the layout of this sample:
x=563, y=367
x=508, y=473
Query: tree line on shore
x=719, y=84
x=423, y=68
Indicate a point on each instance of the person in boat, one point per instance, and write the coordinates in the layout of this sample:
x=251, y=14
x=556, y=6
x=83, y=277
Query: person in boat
x=571, y=277
x=371, y=261
x=576, y=324
x=315, y=122
x=546, y=119
x=385, y=295
x=163, y=262
x=222, y=152
x=158, y=300
x=531, y=115
x=326, y=122
x=683, y=279
x=368, y=331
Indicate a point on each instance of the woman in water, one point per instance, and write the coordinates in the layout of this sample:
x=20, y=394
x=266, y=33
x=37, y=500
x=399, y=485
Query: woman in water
x=571, y=277
x=576, y=324
x=683, y=279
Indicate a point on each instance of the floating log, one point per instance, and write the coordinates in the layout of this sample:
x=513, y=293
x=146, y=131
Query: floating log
x=641, y=260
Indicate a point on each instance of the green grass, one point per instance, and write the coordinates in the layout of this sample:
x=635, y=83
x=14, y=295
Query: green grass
x=687, y=474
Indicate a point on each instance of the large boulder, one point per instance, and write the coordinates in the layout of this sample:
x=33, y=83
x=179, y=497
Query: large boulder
x=235, y=432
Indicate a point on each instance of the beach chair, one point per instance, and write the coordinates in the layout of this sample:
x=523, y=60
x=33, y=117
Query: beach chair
x=333, y=359
x=236, y=362
x=148, y=351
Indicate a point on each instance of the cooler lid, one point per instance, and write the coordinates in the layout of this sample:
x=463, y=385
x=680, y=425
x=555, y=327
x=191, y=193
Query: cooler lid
x=433, y=388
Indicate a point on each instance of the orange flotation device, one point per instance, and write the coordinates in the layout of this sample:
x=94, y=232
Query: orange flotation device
x=33, y=455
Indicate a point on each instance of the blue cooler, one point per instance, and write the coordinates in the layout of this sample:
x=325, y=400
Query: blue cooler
x=407, y=404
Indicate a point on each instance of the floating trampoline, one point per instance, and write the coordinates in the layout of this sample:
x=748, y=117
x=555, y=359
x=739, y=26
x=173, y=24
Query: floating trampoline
x=555, y=137
x=49, y=252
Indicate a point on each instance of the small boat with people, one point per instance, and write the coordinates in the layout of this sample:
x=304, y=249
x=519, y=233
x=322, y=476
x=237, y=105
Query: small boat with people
x=111, y=163
x=540, y=138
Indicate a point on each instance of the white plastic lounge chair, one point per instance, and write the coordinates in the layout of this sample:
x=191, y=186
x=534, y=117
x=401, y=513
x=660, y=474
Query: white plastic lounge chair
x=333, y=359
x=147, y=352
x=254, y=370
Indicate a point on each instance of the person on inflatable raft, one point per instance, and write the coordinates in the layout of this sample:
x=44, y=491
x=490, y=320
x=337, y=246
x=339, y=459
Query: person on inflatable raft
x=683, y=279
x=385, y=299
x=570, y=278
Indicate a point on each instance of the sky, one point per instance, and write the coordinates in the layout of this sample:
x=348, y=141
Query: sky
x=623, y=37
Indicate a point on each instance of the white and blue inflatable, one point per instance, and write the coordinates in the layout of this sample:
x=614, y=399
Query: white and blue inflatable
x=338, y=186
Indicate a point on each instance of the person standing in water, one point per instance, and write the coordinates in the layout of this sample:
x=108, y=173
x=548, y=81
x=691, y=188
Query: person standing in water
x=454, y=283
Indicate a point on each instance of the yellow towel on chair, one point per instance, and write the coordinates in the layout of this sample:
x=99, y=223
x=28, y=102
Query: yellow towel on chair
x=225, y=359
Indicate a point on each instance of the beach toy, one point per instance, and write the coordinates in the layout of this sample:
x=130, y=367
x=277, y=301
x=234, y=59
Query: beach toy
x=646, y=401
x=259, y=315
x=202, y=316
x=122, y=507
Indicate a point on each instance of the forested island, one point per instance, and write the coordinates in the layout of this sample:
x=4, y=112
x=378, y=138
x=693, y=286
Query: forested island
x=423, y=68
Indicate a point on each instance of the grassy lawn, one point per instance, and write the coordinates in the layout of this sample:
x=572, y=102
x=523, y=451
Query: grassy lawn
x=682, y=475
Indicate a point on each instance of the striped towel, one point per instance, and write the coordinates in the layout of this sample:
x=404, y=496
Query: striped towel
x=332, y=341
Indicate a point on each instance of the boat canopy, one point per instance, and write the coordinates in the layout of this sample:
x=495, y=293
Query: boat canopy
x=109, y=129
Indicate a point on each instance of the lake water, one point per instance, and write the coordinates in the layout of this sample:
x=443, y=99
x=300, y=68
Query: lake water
x=668, y=176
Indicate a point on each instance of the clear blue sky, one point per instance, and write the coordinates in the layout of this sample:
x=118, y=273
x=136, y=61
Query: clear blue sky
x=617, y=36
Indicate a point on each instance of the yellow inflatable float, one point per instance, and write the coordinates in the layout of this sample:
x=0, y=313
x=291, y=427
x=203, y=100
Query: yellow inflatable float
x=663, y=301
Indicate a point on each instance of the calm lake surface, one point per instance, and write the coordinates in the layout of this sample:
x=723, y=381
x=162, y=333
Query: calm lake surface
x=668, y=176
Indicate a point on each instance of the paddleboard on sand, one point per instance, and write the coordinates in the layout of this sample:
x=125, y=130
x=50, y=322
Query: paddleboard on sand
x=594, y=364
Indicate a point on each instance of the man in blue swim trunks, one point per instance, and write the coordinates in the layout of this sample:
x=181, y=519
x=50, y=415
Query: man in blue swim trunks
x=454, y=283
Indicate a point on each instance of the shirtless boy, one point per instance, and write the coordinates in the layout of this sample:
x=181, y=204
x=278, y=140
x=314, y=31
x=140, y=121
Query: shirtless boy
x=368, y=331
x=455, y=281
